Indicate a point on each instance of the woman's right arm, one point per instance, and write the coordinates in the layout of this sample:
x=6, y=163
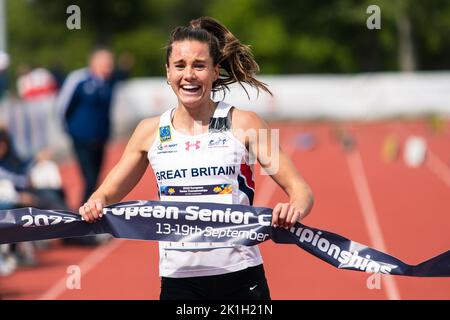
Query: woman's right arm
x=125, y=174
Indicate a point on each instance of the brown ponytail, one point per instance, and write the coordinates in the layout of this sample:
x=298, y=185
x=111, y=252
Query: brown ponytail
x=235, y=58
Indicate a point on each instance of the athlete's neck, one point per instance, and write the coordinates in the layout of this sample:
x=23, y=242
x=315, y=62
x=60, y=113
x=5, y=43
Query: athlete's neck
x=193, y=120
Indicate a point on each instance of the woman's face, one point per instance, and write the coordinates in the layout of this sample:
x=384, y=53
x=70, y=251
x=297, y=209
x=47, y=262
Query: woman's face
x=191, y=72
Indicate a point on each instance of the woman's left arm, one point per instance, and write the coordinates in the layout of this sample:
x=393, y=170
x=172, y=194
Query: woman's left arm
x=301, y=198
x=279, y=167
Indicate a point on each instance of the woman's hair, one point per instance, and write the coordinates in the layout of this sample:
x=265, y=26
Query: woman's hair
x=234, y=58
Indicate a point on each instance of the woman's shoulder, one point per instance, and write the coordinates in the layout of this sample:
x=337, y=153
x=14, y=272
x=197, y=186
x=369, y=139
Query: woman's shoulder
x=244, y=119
x=148, y=124
x=145, y=132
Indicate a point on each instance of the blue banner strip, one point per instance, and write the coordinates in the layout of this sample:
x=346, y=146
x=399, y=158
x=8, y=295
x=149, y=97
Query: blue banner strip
x=209, y=222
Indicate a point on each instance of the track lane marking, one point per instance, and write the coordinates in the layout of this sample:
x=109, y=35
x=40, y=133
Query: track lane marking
x=438, y=167
x=86, y=265
x=369, y=213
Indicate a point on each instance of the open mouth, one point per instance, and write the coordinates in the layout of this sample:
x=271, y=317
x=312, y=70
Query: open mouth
x=191, y=88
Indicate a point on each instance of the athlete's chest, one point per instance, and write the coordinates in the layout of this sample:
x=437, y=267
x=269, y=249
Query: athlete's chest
x=214, y=149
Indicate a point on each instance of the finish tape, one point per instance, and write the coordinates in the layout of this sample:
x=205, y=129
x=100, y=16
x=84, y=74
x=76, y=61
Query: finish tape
x=209, y=222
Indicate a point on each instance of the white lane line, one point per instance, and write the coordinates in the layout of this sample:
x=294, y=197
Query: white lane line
x=86, y=265
x=370, y=215
x=438, y=167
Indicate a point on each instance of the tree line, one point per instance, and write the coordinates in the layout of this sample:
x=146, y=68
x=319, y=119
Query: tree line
x=287, y=36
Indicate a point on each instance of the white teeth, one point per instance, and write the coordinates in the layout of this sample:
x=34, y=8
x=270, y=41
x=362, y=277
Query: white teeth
x=190, y=87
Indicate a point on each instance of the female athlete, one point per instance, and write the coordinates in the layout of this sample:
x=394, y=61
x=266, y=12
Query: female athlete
x=202, y=151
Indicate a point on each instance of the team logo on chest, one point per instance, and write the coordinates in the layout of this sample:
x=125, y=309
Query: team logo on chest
x=219, y=142
x=165, y=134
x=194, y=145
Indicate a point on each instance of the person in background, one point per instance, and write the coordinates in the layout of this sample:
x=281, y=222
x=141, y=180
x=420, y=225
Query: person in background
x=25, y=183
x=4, y=63
x=33, y=115
x=84, y=104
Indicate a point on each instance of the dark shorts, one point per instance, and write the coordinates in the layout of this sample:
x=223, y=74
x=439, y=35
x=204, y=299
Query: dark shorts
x=247, y=284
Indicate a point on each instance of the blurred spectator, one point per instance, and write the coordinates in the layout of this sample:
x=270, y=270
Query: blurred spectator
x=13, y=175
x=125, y=63
x=25, y=183
x=35, y=84
x=84, y=103
x=4, y=63
x=58, y=74
x=30, y=118
x=36, y=181
x=8, y=263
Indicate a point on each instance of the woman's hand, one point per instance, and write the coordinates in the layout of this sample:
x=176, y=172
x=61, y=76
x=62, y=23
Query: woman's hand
x=92, y=210
x=285, y=215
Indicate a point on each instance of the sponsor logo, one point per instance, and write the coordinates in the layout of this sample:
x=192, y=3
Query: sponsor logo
x=165, y=134
x=167, y=148
x=223, y=189
x=195, y=145
x=218, y=142
x=167, y=191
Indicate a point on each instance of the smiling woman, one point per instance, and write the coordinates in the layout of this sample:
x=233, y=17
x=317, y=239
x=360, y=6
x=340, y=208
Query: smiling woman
x=227, y=54
x=185, y=146
x=191, y=73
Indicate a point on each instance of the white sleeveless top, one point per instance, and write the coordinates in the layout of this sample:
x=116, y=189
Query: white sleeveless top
x=210, y=167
